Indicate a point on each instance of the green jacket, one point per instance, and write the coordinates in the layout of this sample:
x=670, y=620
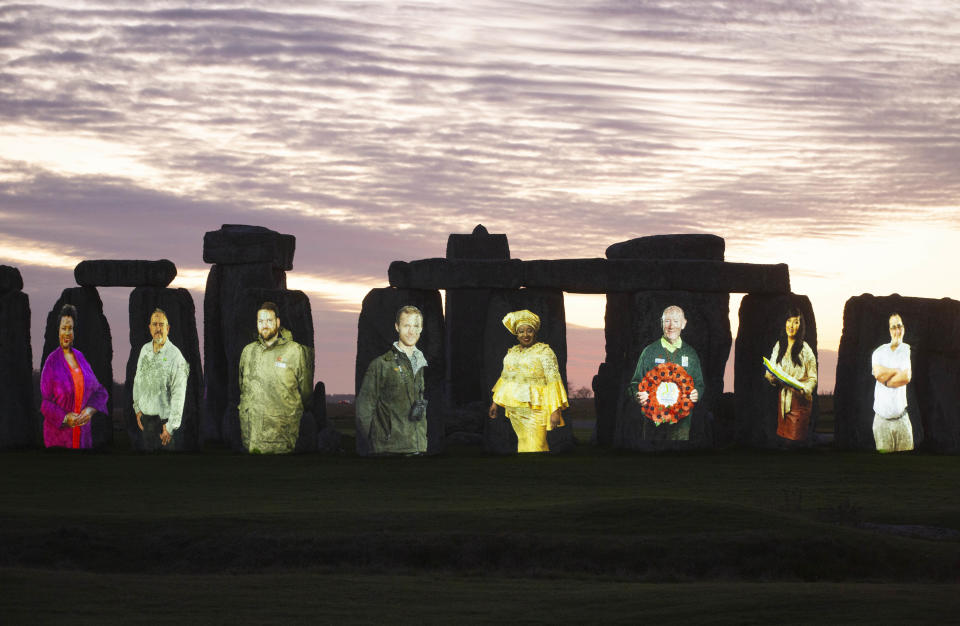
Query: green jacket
x=387, y=393
x=275, y=386
x=653, y=355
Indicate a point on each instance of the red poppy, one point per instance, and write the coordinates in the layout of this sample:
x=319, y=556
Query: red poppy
x=667, y=379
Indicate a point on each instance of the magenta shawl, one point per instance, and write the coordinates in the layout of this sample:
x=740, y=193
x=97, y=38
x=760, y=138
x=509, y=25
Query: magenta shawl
x=57, y=391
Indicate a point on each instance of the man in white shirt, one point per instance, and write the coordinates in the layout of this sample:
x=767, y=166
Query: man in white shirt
x=160, y=387
x=892, y=430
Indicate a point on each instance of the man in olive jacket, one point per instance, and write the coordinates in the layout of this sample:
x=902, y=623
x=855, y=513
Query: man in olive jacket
x=276, y=381
x=391, y=411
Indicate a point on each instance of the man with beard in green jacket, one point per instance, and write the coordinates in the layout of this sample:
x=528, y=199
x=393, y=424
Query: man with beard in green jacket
x=276, y=381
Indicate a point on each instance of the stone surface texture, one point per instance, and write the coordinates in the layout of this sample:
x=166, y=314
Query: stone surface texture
x=762, y=319
x=376, y=334
x=10, y=279
x=932, y=329
x=92, y=337
x=466, y=311
x=19, y=427
x=632, y=320
x=707, y=331
x=181, y=314
x=235, y=244
x=696, y=247
x=113, y=273
x=245, y=257
x=548, y=305
x=592, y=275
x=295, y=315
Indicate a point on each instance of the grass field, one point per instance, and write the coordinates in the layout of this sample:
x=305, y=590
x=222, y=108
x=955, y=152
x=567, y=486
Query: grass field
x=733, y=536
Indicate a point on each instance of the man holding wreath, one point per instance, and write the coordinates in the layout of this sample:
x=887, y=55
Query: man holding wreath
x=668, y=349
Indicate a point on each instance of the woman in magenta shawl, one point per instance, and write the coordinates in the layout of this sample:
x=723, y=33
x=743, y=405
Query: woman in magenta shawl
x=70, y=391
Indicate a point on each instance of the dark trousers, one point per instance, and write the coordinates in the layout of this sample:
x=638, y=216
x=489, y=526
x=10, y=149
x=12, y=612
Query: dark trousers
x=150, y=435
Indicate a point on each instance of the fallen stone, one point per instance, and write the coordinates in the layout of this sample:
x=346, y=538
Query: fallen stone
x=240, y=243
x=181, y=315
x=112, y=273
x=704, y=247
x=932, y=329
x=18, y=423
x=10, y=279
x=376, y=334
x=762, y=319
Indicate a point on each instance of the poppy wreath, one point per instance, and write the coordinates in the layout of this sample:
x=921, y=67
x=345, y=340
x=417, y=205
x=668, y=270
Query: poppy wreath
x=655, y=410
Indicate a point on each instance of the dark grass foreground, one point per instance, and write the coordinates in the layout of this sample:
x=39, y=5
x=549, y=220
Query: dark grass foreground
x=721, y=537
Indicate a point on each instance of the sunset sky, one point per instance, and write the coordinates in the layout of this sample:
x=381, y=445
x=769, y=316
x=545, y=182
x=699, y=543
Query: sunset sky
x=825, y=135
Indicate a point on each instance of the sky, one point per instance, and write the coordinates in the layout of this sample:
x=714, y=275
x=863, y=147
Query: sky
x=821, y=134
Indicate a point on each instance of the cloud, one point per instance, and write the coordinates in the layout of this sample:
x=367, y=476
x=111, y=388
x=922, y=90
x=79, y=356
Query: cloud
x=373, y=130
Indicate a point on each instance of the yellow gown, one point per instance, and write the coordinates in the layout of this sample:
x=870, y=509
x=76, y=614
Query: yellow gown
x=530, y=390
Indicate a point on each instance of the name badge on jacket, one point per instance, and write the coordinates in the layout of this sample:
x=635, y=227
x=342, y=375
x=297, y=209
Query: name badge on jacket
x=659, y=361
x=281, y=364
x=685, y=361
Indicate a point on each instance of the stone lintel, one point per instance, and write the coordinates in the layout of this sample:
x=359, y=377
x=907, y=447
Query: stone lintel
x=123, y=273
x=235, y=244
x=592, y=275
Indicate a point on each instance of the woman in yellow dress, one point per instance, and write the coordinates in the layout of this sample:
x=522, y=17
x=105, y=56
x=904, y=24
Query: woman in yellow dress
x=530, y=388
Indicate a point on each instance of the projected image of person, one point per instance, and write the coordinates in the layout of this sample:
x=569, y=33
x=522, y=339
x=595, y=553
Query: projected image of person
x=276, y=382
x=670, y=348
x=70, y=392
x=391, y=410
x=892, y=431
x=160, y=387
x=530, y=388
x=794, y=357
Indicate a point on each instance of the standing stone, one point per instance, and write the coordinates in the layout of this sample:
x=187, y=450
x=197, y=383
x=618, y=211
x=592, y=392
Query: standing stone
x=328, y=437
x=18, y=426
x=297, y=317
x=466, y=311
x=762, y=320
x=624, y=317
x=181, y=314
x=932, y=329
x=10, y=279
x=92, y=337
x=376, y=332
x=707, y=331
x=243, y=257
x=548, y=305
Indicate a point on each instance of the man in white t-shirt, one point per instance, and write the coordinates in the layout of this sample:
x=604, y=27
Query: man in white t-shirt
x=892, y=431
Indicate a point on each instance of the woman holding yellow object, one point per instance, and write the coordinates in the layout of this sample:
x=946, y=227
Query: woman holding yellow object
x=530, y=388
x=794, y=357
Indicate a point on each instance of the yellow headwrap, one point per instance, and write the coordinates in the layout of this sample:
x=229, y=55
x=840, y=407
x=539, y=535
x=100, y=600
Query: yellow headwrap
x=519, y=318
